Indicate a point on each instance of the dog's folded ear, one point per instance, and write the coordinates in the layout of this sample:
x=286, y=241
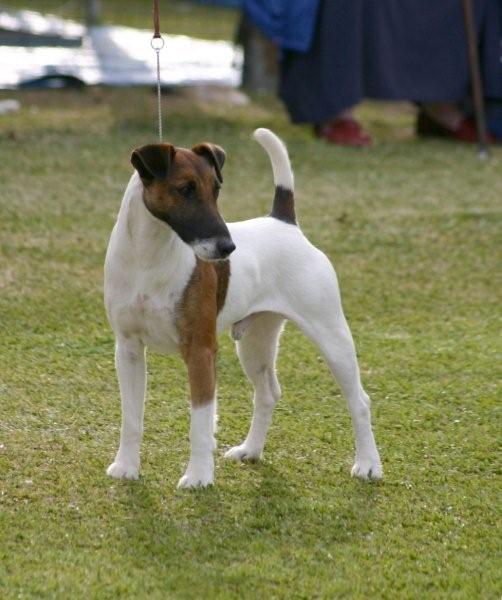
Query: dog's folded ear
x=214, y=155
x=153, y=161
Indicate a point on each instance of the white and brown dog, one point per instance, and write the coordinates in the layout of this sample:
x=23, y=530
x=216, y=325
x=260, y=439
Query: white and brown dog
x=170, y=285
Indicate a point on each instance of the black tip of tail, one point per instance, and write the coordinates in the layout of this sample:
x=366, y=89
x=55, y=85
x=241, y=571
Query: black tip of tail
x=283, y=207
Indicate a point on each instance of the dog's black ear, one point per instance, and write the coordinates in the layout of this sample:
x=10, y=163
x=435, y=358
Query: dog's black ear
x=153, y=161
x=214, y=155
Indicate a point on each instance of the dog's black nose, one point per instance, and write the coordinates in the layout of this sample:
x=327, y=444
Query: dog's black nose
x=225, y=246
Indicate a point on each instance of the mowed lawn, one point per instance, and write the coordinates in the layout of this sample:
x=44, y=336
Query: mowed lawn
x=413, y=228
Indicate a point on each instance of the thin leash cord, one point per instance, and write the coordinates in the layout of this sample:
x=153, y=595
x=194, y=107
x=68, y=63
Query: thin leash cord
x=157, y=44
x=159, y=96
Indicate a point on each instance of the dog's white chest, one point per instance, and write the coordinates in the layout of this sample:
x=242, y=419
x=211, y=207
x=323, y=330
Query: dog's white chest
x=149, y=316
x=147, y=269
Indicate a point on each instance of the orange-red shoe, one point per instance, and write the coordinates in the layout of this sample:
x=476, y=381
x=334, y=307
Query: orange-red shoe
x=465, y=132
x=345, y=132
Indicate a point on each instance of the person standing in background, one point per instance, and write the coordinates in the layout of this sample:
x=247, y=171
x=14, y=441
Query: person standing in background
x=334, y=53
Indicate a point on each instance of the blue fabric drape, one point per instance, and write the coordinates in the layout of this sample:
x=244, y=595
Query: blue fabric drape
x=289, y=23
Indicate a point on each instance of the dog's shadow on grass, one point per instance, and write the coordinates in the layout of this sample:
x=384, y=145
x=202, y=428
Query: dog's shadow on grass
x=265, y=505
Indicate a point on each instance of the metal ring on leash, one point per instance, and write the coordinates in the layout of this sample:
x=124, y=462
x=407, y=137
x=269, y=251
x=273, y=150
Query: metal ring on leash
x=157, y=43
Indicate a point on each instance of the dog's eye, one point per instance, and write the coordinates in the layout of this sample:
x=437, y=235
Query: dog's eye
x=187, y=190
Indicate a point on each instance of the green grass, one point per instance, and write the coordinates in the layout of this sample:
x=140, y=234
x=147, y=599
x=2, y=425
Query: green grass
x=176, y=16
x=412, y=227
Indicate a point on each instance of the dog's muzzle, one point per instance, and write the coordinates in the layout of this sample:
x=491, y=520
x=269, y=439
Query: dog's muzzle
x=213, y=248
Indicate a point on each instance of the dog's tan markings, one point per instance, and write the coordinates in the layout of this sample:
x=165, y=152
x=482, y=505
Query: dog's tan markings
x=214, y=155
x=192, y=214
x=202, y=299
x=223, y=275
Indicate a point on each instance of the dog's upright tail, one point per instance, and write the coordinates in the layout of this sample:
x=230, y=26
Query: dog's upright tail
x=283, y=207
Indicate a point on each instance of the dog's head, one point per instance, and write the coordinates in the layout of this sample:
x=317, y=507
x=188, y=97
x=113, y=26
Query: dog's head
x=181, y=188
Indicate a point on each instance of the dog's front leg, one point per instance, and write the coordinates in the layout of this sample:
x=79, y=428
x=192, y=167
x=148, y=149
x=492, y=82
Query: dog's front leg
x=131, y=371
x=201, y=372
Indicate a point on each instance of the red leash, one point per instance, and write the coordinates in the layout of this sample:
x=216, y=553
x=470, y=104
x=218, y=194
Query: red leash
x=156, y=21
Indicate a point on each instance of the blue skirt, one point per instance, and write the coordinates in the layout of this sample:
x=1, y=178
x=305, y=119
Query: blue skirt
x=413, y=50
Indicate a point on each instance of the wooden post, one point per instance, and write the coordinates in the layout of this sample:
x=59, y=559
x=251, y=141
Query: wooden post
x=260, y=71
x=476, y=83
x=92, y=12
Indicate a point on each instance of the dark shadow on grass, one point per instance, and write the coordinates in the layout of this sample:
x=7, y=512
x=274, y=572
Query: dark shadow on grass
x=210, y=530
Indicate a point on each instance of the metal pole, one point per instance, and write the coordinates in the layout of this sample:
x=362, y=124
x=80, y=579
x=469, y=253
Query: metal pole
x=92, y=12
x=476, y=83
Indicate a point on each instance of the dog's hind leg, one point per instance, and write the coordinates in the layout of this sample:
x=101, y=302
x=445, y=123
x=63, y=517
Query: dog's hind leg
x=257, y=351
x=332, y=336
x=131, y=371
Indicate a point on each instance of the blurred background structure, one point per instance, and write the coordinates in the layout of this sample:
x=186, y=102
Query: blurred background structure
x=226, y=43
x=49, y=50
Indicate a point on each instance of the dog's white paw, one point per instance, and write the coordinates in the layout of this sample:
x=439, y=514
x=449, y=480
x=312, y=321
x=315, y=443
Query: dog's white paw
x=120, y=470
x=367, y=468
x=198, y=475
x=195, y=480
x=243, y=453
